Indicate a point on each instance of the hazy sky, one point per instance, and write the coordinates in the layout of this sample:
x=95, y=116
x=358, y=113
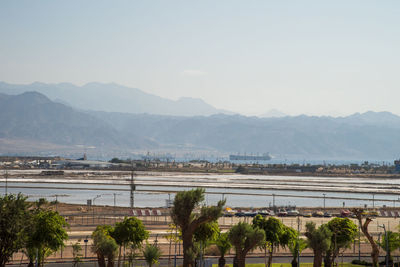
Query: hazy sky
x=313, y=57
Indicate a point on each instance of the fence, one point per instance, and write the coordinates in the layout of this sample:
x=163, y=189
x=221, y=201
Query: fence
x=156, y=220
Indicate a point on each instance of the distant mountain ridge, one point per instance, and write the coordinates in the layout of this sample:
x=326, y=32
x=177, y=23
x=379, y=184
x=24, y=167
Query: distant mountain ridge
x=32, y=118
x=373, y=118
x=301, y=137
x=273, y=113
x=112, y=97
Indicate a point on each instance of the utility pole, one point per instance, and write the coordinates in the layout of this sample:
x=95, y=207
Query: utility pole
x=298, y=241
x=387, y=247
x=56, y=201
x=387, y=244
x=176, y=240
x=223, y=217
x=93, y=205
x=133, y=188
x=86, y=242
x=273, y=202
x=324, y=200
x=6, y=176
x=373, y=201
x=359, y=241
x=115, y=200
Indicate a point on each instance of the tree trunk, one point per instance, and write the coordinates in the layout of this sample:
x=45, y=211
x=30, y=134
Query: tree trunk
x=221, y=261
x=334, y=256
x=317, y=258
x=187, y=245
x=123, y=262
x=119, y=256
x=271, y=251
x=328, y=259
x=265, y=256
x=41, y=258
x=375, y=255
x=294, y=262
x=241, y=260
x=30, y=264
x=390, y=260
x=110, y=262
x=101, y=260
x=169, y=253
x=374, y=246
x=235, y=261
x=364, y=229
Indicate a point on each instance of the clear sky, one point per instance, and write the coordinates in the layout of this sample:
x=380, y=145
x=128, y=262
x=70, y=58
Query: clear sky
x=312, y=57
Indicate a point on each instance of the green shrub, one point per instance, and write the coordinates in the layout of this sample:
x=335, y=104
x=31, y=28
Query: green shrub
x=361, y=262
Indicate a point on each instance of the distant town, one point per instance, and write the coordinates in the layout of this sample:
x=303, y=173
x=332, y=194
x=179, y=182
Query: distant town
x=155, y=164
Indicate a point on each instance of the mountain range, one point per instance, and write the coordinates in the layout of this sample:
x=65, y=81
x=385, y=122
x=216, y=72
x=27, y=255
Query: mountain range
x=112, y=97
x=32, y=116
x=32, y=122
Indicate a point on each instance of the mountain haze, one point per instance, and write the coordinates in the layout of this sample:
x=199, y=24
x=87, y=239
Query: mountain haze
x=273, y=113
x=32, y=118
x=112, y=97
x=300, y=137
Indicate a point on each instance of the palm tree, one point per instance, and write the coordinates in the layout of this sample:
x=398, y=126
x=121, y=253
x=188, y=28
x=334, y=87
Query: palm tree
x=104, y=245
x=188, y=221
x=245, y=238
x=319, y=240
x=223, y=246
x=296, y=247
x=151, y=254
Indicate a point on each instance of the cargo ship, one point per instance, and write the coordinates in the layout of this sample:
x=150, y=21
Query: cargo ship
x=264, y=156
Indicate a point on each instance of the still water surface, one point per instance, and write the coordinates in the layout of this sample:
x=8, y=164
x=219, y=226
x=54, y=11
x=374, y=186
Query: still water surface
x=239, y=190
